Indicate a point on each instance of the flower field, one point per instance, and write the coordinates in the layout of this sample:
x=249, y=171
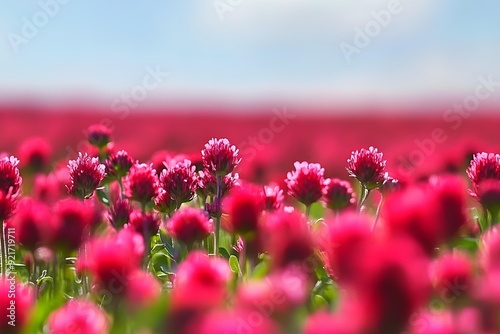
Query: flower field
x=262, y=233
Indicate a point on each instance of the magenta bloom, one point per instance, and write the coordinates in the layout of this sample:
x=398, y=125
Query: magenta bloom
x=306, y=183
x=338, y=195
x=141, y=184
x=244, y=207
x=179, y=181
x=145, y=223
x=86, y=173
x=207, y=183
x=220, y=157
x=190, y=225
x=8, y=204
x=78, y=316
x=368, y=166
x=10, y=180
x=35, y=154
x=24, y=301
x=164, y=203
x=119, y=213
x=484, y=166
x=273, y=197
x=118, y=164
x=452, y=274
x=99, y=135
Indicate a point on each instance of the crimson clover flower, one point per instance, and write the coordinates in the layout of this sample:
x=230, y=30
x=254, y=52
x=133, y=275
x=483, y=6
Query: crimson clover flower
x=86, y=173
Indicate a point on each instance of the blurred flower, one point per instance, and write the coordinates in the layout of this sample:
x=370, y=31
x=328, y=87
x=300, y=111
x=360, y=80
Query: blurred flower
x=118, y=164
x=236, y=322
x=306, y=183
x=15, y=308
x=434, y=323
x=244, y=206
x=327, y=323
x=78, y=316
x=273, y=197
x=141, y=184
x=142, y=289
x=389, y=185
x=190, y=225
x=200, y=282
x=220, y=157
x=35, y=154
x=452, y=275
x=99, y=135
x=72, y=221
x=32, y=223
x=119, y=213
x=8, y=204
x=146, y=224
x=163, y=159
x=490, y=250
x=179, y=182
x=10, y=180
x=86, y=173
x=338, y=195
x=368, y=166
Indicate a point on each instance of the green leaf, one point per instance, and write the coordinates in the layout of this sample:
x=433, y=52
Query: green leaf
x=319, y=302
x=224, y=253
x=260, y=270
x=103, y=197
x=234, y=264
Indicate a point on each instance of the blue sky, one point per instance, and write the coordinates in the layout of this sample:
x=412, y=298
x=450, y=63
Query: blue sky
x=262, y=49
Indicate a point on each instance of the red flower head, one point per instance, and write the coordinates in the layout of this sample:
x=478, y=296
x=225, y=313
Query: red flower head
x=306, y=183
x=8, y=204
x=434, y=323
x=35, y=154
x=273, y=197
x=32, y=223
x=99, y=135
x=78, y=316
x=72, y=221
x=164, y=203
x=449, y=193
x=341, y=240
x=244, y=206
x=338, y=195
x=207, y=183
x=368, y=166
x=52, y=187
x=490, y=250
x=144, y=223
x=141, y=184
x=220, y=157
x=190, y=225
x=119, y=213
x=452, y=275
x=15, y=308
x=110, y=260
x=10, y=180
x=237, y=322
x=179, y=181
x=162, y=159
x=142, y=290
x=200, y=282
x=327, y=323
x=86, y=173
x=484, y=166
x=118, y=164
x=288, y=239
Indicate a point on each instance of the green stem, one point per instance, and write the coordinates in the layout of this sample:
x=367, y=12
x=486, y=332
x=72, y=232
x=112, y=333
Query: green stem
x=377, y=214
x=363, y=196
x=308, y=210
x=218, y=216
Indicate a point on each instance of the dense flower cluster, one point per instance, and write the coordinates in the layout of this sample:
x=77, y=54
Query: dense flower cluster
x=194, y=249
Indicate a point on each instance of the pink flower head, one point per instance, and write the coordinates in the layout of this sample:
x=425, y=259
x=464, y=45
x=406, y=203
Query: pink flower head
x=119, y=213
x=145, y=223
x=484, y=166
x=99, y=135
x=244, y=206
x=179, y=181
x=141, y=184
x=328, y=323
x=143, y=289
x=200, y=281
x=110, y=260
x=10, y=180
x=368, y=166
x=78, y=316
x=8, y=204
x=14, y=307
x=207, y=183
x=164, y=202
x=35, y=154
x=236, y=322
x=338, y=195
x=86, y=173
x=190, y=225
x=32, y=224
x=118, y=164
x=273, y=197
x=72, y=221
x=452, y=274
x=490, y=250
x=220, y=157
x=306, y=183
